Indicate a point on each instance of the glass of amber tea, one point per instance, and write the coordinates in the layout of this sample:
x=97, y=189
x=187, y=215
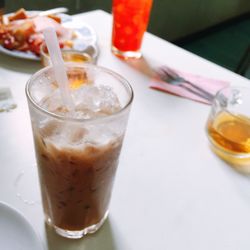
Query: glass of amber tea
x=228, y=127
x=71, y=55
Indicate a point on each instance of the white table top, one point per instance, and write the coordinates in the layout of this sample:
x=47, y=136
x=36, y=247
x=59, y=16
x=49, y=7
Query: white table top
x=170, y=191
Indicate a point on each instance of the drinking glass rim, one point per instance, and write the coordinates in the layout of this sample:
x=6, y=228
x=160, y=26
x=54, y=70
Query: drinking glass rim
x=217, y=101
x=120, y=78
x=231, y=87
x=91, y=59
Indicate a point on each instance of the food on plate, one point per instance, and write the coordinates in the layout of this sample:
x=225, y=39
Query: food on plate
x=23, y=32
x=18, y=15
x=56, y=18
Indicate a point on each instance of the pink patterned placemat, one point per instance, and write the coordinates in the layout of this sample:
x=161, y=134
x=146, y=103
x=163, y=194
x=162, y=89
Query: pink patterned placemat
x=208, y=84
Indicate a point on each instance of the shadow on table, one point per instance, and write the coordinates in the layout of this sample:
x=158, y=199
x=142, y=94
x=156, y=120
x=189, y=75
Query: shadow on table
x=101, y=240
x=142, y=65
x=19, y=64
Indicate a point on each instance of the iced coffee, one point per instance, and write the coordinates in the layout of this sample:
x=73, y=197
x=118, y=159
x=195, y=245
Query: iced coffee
x=77, y=152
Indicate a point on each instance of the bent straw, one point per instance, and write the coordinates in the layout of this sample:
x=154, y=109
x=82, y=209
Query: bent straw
x=58, y=66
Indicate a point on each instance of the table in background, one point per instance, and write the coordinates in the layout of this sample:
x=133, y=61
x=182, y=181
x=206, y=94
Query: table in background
x=170, y=191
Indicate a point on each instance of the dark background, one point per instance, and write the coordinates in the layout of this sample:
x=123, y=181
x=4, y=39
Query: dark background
x=170, y=19
x=218, y=30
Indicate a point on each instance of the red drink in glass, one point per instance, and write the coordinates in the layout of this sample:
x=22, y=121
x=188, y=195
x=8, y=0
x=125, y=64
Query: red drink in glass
x=130, y=20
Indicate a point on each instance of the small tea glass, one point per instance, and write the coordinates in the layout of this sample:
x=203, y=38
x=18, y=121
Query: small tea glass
x=89, y=55
x=228, y=127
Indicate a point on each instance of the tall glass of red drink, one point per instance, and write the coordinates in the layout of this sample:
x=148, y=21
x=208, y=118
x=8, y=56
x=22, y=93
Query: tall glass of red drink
x=130, y=20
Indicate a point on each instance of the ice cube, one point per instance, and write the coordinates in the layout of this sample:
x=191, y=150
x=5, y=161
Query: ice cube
x=73, y=134
x=86, y=98
x=53, y=103
x=43, y=86
x=109, y=102
x=90, y=101
x=93, y=101
x=50, y=128
x=62, y=133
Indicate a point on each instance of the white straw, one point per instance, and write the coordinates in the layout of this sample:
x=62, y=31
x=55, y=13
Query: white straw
x=58, y=66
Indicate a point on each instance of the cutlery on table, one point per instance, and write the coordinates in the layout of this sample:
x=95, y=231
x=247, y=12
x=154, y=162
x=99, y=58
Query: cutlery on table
x=170, y=76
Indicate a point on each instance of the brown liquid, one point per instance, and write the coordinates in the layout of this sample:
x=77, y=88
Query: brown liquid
x=231, y=136
x=69, y=56
x=77, y=78
x=77, y=181
x=231, y=132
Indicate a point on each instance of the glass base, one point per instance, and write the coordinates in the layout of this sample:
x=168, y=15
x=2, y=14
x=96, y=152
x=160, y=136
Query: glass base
x=238, y=161
x=126, y=54
x=77, y=234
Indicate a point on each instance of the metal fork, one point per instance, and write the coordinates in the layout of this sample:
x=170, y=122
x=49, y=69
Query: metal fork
x=170, y=76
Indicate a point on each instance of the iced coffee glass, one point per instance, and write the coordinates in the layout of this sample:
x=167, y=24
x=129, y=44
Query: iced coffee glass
x=78, y=151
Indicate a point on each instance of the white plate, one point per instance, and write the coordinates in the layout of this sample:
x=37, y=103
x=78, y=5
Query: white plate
x=85, y=36
x=15, y=232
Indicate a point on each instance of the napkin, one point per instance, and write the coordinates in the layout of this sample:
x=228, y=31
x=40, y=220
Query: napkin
x=6, y=100
x=208, y=84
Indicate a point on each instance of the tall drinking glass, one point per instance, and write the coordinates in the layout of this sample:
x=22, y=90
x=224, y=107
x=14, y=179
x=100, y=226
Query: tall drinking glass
x=130, y=21
x=77, y=153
